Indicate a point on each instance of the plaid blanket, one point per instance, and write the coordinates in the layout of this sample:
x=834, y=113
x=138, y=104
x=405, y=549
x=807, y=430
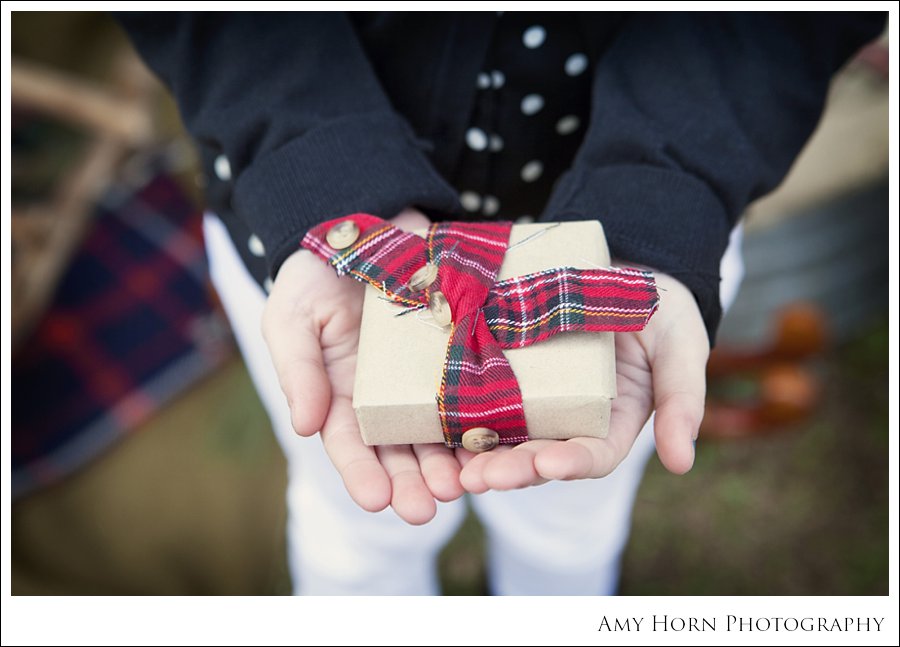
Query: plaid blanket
x=132, y=324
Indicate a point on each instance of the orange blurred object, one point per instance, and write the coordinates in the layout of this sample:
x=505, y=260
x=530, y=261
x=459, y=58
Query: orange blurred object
x=784, y=392
x=788, y=394
x=801, y=332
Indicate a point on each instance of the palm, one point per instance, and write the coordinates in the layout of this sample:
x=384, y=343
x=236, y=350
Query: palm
x=661, y=367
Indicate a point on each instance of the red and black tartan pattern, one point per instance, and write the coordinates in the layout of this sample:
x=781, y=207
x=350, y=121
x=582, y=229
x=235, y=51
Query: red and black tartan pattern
x=383, y=255
x=478, y=386
x=534, y=307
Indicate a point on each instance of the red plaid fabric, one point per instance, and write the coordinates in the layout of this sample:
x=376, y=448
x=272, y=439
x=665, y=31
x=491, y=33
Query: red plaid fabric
x=478, y=387
x=531, y=308
x=383, y=255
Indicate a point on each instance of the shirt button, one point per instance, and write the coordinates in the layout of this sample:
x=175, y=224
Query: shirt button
x=255, y=245
x=342, y=235
x=423, y=277
x=440, y=309
x=480, y=439
x=222, y=167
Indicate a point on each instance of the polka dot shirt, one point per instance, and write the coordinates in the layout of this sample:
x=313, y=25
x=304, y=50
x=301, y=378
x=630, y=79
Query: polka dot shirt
x=531, y=109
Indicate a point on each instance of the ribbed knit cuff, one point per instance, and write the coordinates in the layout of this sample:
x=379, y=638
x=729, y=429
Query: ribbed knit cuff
x=661, y=218
x=369, y=163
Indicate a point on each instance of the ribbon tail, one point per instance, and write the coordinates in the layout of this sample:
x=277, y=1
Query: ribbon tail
x=478, y=386
x=531, y=308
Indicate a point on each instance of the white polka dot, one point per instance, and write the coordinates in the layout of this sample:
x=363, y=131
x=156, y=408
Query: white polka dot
x=532, y=104
x=483, y=81
x=476, y=139
x=255, y=245
x=222, y=167
x=267, y=284
x=534, y=37
x=470, y=200
x=498, y=78
x=532, y=171
x=496, y=143
x=490, y=206
x=576, y=64
x=524, y=220
x=567, y=125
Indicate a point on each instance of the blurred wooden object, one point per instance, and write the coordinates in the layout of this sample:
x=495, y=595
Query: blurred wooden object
x=117, y=120
x=784, y=391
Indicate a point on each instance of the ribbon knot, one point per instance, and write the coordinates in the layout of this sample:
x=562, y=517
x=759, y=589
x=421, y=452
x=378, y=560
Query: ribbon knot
x=478, y=387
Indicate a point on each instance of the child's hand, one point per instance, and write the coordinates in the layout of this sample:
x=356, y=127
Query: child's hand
x=661, y=367
x=311, y=325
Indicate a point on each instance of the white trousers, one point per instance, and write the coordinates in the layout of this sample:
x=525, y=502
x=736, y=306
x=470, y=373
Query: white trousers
x=561, y=538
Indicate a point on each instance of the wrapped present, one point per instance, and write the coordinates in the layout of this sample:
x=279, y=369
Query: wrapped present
x=458, y=341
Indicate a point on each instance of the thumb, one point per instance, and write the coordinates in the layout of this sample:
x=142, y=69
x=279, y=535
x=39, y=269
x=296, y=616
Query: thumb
x=298, y=362
x=293, y=337
x=679, y=387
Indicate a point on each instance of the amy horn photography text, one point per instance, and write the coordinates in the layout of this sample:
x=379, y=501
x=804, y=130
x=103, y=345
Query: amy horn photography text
x=741, y=623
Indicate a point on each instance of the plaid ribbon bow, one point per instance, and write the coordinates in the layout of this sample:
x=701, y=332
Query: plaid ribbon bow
x=478, y=387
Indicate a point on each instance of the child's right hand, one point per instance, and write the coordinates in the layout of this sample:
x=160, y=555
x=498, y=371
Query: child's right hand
x=311, y=325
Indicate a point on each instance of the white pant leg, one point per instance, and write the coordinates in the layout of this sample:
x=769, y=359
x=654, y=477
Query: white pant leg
x=567, y=538
x=562, y=538
x=334, y=547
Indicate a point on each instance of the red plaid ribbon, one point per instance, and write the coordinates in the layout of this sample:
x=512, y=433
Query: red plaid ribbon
x=478, y=387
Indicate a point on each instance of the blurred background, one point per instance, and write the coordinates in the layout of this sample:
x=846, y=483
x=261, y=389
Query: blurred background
x=143, y=462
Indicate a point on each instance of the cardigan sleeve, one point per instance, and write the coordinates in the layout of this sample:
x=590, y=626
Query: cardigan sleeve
x=693, y=116
x=293, y=103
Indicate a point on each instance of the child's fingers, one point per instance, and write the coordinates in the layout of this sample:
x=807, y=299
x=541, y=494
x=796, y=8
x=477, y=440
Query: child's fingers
x=472, y=474
x=515, y=469
x=503, y=468
x=366, y=480
x=584, y=458
x=440, y=469
x=297, y=356
x=410, y=497
x=566, y=461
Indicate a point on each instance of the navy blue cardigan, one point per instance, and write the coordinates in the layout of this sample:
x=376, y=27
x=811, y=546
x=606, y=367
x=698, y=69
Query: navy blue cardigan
x=692, y=116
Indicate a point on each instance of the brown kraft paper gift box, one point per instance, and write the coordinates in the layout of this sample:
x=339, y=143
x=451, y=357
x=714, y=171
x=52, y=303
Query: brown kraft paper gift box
x=567, y=382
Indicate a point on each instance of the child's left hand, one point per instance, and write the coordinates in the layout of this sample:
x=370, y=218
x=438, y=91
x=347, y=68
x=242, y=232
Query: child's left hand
x=663, y=367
